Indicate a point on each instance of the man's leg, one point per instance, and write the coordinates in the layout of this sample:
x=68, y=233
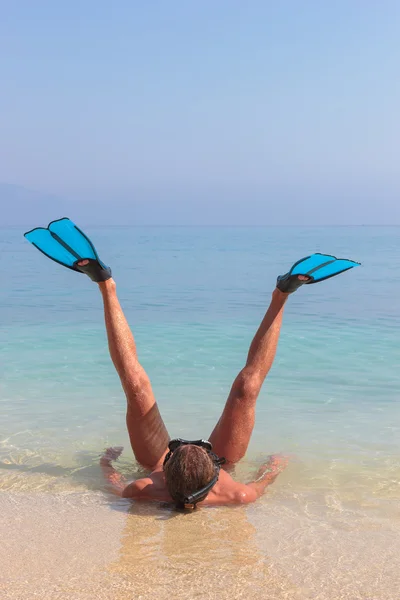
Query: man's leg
x=147, y=432
x=232, y=433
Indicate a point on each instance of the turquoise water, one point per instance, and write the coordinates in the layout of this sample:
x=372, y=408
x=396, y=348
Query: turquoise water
x=194, y=299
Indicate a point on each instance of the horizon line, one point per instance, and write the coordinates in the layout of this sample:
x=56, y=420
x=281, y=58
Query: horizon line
x=216, y=226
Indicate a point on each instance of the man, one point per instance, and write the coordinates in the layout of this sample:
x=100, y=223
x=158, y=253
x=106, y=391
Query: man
x=186, y=473
x=190, y=467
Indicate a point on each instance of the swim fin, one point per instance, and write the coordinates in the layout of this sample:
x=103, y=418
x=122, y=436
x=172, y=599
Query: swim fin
x=317, y=267
x=66, y=244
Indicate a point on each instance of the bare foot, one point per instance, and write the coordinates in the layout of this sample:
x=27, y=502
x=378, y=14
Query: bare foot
x=83, y=263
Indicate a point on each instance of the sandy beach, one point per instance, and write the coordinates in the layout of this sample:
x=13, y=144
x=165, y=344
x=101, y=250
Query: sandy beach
x=289, y=546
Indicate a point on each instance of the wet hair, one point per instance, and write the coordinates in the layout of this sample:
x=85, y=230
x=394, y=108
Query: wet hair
x=187, y=470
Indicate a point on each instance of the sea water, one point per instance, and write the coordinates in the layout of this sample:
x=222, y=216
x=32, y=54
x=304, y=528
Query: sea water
x=194, y=298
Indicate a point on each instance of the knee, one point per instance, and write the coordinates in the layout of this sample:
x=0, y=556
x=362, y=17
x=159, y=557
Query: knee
x=247, y=385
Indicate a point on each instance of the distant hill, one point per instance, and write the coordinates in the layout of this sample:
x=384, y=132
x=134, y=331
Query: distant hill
x=26, y=207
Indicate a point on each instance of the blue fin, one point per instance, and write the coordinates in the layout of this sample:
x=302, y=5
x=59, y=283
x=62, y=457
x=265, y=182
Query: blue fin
x=317, y=267
x=322, y=266
x=63, y=242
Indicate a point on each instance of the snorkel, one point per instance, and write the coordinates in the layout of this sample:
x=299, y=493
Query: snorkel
x=189, y=502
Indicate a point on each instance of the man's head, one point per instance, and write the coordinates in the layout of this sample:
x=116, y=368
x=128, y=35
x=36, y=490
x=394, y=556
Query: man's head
x=188, y=469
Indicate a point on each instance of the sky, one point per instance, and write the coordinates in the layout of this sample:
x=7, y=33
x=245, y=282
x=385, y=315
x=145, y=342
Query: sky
x=212, y=112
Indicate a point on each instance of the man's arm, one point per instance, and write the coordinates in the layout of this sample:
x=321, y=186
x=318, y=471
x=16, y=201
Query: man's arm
x=265, y=476
x=116, y=483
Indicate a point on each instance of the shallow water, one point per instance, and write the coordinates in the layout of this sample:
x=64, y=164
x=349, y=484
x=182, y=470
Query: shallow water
x=288, y=546
x=194, y=298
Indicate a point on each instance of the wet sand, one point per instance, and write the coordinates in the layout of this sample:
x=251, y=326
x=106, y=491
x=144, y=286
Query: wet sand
x=300, y=546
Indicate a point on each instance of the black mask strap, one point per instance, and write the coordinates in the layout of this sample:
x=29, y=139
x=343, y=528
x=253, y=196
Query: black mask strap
x=190, y=501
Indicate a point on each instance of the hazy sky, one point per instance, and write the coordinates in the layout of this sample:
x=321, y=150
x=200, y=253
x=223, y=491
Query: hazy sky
x=205, y=111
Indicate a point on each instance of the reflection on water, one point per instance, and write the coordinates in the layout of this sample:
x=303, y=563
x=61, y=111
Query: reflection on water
x=210, y=553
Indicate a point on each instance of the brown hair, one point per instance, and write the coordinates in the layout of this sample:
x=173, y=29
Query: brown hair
x=188, y=470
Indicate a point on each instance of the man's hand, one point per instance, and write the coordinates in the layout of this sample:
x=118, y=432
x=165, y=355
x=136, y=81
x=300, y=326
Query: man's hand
x=271, y=469
x=111, y=454
x=116, y=482
x=265, y=476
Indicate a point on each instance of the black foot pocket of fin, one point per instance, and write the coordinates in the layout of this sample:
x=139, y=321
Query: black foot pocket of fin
x=95, y=270
x=316, y=268
x=289, y=283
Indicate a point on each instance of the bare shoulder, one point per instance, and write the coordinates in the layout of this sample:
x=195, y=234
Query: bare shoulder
x=152, y=487
x=229, y=491
x=242, y=494
x=137, y=488
x=245, y=495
